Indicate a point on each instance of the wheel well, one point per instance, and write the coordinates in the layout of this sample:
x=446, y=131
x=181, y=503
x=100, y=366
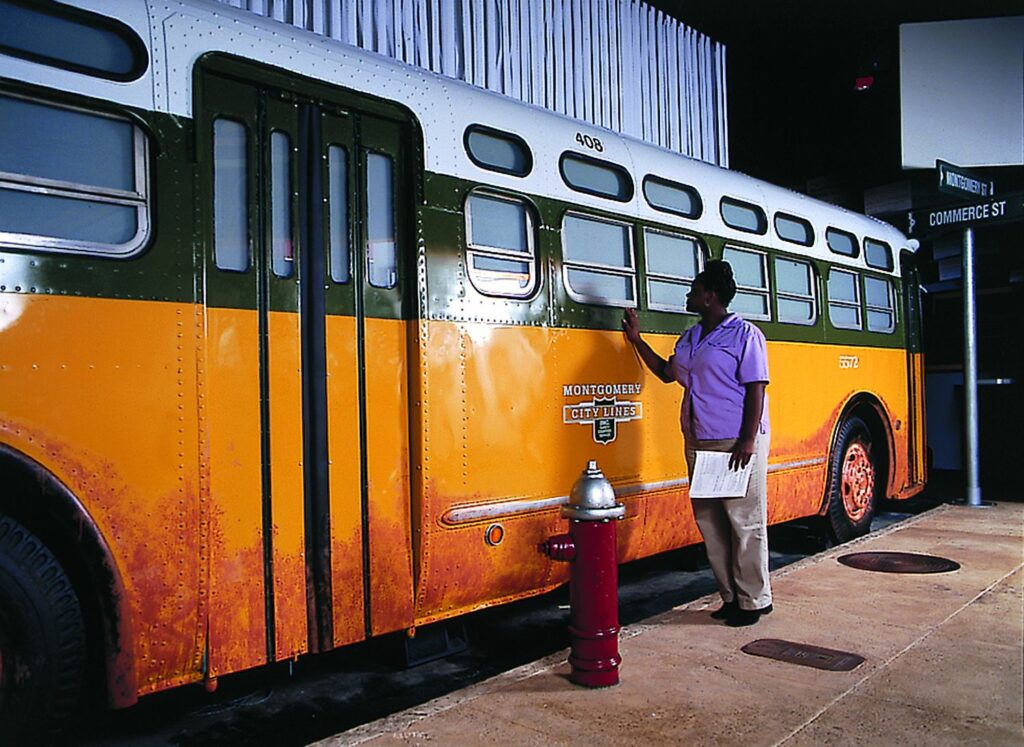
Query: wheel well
x=870, y=410
x=39, y=501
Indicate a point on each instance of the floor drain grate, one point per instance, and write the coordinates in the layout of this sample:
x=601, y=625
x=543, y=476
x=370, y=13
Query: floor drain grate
x=898, y=562
x=804, y=654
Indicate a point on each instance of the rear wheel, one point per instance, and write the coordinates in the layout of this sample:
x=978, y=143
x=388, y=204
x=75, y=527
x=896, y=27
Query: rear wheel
x=42, y=639
x=855, y=482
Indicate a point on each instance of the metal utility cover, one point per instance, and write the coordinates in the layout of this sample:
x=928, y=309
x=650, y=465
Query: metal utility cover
x=898, y=562
x=804, y=654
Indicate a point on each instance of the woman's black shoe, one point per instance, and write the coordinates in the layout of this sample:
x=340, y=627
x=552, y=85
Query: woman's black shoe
x=727, y=610
x=741, y=618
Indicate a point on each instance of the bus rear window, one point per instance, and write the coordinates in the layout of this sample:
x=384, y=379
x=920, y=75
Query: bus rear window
x=498, y=151
x=594, y=177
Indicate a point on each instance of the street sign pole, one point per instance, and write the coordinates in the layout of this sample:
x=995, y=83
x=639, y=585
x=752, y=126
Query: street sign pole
x=973, y=487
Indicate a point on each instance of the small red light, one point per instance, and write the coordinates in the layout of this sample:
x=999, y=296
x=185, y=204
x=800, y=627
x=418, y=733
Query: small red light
x=863, y=83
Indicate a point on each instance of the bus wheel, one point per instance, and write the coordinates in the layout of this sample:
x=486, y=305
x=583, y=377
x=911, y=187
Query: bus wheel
x=854, y=481
x=42, y=639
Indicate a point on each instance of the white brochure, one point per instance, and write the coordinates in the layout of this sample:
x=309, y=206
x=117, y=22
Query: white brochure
x=712, y=477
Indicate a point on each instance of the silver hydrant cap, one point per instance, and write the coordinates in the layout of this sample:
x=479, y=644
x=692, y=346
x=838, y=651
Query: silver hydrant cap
x=592, y=497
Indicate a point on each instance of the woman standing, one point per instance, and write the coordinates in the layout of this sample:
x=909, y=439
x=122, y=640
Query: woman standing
x=722, y=363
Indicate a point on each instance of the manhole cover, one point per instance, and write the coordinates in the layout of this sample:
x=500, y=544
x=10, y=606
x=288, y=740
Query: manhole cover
x=804, y=654
x=898, y=562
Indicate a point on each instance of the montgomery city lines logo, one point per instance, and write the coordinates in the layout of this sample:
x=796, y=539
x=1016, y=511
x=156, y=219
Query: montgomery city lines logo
x=603, y=407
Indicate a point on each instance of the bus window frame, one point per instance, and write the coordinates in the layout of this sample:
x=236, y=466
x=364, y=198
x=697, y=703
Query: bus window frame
x=858, y=304
x=681, y=281
x=473, y=250
x=766, y=291
x=889, y=264
x=813, y=297
x=140, y=198
x=601, y=269
x=891, y=309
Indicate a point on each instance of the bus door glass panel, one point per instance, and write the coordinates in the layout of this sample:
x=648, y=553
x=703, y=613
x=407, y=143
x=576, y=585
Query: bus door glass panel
x=912, y=315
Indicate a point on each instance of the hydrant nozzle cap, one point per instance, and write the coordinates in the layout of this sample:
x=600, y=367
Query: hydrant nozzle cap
x=592, y=497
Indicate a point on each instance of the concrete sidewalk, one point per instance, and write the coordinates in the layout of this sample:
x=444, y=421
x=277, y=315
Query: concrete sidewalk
x=944, y=661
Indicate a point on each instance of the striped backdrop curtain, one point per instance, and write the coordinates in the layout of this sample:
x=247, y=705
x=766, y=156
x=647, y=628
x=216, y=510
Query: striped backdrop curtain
x=619, y=64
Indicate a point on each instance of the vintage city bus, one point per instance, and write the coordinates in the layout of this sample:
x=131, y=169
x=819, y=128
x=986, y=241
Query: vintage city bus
x=300, y=346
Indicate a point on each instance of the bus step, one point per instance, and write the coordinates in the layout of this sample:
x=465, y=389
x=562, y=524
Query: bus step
x=435, y=642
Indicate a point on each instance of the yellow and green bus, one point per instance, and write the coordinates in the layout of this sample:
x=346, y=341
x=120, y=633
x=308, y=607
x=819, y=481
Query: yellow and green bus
x=300, y=346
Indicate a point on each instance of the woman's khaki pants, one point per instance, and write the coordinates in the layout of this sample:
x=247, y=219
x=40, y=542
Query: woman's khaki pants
x=735, y=530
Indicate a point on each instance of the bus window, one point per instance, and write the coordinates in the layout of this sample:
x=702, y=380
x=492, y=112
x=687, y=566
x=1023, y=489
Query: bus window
x=230, y=203
x=498, y=151
x=281, y=256
x=879, y=303
x=751, y=275
x=598, y=256
x=877, y=254
x=671, y=197
x=843, y=299
x=499, y=237
x=71, y=180
x=71, y=39
x=672, y=262
x=841, y=242
x=794, y=289
x=337, y=216
x=380, y=207
x=794, y=230
x=594, y=177
x=743, y=216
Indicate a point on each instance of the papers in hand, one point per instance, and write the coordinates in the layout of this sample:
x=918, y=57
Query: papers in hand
x=712, y=477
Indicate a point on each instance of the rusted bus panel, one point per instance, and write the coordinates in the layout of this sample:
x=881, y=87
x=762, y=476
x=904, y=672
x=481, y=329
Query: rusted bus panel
x=231, y=433
x=103, y=397
x=668, y=521
x=794, y=493
x=345, y=481
x=502, y=409
x=287, y=497
x=496, y=412
x=388, y=479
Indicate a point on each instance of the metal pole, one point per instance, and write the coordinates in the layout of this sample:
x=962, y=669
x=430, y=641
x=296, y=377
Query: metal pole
x=973, y=496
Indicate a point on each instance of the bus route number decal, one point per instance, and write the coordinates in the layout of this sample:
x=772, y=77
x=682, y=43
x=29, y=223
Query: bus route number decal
x=849, y=361
x=592, y=143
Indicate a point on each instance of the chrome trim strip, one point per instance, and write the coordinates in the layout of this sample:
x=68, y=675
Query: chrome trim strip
x=508, y=509
x=796, y=465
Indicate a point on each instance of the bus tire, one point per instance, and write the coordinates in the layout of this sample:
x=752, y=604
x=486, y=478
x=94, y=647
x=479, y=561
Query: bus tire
x=42, y=639
x=855, y=482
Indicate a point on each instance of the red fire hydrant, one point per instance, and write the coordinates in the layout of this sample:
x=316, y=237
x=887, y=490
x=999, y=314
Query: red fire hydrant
x=593, y=578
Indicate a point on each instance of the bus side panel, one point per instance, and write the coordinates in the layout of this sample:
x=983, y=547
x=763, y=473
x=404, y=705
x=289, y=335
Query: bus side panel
x=287, y=497
x=500, y=426
x=101, y=392
x=232, y=414
x=345, y=447
x=388, y=483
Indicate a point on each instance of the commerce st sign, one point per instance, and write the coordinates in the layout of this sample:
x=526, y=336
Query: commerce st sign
x=965, y=215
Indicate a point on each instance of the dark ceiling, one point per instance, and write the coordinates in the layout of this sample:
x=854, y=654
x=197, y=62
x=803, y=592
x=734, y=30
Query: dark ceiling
x=794, y=115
